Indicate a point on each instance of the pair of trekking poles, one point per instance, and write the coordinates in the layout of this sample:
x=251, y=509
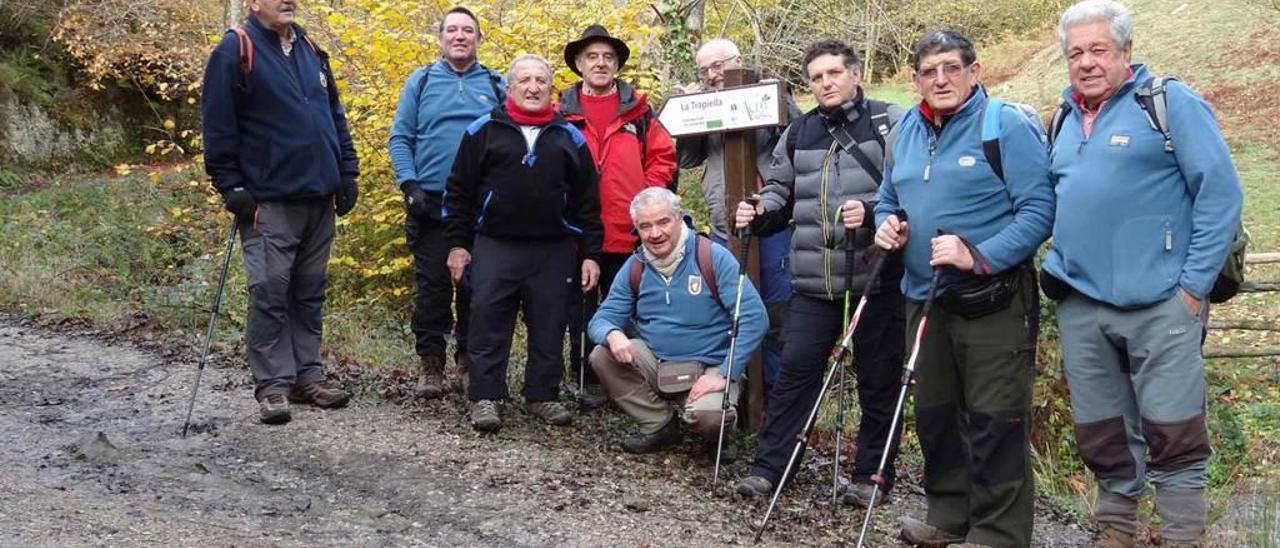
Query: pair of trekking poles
x=843, y=351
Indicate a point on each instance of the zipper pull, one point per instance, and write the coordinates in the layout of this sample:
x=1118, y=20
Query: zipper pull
x=927, y=168
x=1168, y=240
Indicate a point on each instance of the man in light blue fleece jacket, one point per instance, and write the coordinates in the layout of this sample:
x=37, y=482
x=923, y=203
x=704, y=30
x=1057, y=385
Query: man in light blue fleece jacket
x=675, y=317
x=1143, y=226
x=437, y=104
x=979, y=216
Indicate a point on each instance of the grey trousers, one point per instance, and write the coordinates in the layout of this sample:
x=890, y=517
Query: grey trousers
x=286, y=256
x=1138, y=395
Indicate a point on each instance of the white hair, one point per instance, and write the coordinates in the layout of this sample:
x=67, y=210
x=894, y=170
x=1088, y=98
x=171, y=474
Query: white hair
x=511, y=72
x=730, y=48
x=1092, y=11
x=652, y=196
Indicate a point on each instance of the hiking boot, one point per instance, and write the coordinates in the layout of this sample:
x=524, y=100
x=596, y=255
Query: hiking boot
x=729, y=450
x=755, y=486
x=919, y=533
x=859, y=494
x=430, y=378
x=665, y=437
x=551, y=412
x=484, y=416
x=968, y=545
x=1110, y=537
x=320, y=395
x=273, y=409
x=457, y=377
x=592, y=397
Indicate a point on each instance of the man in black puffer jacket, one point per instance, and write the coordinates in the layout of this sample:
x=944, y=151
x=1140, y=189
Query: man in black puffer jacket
x=822, y=185
x=522, y=197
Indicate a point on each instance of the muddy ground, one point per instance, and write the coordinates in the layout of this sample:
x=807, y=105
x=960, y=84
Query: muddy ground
x=91, y=455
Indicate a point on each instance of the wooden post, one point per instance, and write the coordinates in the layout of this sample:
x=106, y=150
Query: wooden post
x=740, y=181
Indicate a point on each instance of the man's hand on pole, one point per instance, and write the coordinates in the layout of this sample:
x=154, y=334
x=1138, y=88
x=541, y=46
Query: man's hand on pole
x=458, y=260
x=747, y=212
x=892, y=234
x=590, y=275
x=620, y=347
x=852, y=214
x=950, y=250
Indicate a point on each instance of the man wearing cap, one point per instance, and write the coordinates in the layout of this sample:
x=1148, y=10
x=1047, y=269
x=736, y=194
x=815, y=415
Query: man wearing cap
x=632, y=151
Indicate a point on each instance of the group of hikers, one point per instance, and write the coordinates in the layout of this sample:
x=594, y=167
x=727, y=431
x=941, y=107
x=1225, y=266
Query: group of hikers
x=564, y=213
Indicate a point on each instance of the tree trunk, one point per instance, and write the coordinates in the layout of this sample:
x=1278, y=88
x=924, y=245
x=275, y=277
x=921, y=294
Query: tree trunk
x=1243, y=325
x=695, y=21
x=233, y=12
x=1253, y=352
x=1261, y=258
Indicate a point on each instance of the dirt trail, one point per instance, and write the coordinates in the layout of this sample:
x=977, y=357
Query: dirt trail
x=374, y=474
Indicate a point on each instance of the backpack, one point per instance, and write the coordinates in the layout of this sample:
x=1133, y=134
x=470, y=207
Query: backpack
x=495, y=82
x=246, y=62
x=991, y=130
x=879, y=111
x=705, y=267
x=1151, y=96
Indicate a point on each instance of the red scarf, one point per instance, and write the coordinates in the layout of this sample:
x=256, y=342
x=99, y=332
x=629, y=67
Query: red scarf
x=527, y=118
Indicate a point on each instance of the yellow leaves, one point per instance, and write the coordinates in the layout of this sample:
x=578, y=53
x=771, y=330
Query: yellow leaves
x=123, y=169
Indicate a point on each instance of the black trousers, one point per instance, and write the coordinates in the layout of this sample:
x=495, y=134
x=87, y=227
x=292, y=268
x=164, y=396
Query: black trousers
x=812, y=329
x=583, y=306
x=536, y=278
x=434, y=292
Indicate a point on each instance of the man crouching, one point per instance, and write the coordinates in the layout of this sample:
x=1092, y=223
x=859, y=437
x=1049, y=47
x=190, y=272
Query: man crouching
x=676, y=293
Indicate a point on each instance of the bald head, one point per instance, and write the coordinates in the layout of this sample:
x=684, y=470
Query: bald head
x=715, y=57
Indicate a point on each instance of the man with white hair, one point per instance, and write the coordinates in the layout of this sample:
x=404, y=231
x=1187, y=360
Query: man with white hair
x=678, y=294
x=522, y=198
x=713, y=59
x=1143, y=222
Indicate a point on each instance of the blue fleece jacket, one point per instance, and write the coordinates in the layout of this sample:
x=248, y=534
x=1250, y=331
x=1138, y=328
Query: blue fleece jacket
x=428, y=127
x=285, y=137
x=943, y=181
x=678, y=319
x=1135, y=222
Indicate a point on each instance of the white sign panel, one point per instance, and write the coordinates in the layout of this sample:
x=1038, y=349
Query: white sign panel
x=730, y=109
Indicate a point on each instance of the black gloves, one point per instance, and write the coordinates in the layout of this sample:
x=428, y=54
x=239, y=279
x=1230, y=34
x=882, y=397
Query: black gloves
x=240, y=203
x=417, y=203
x=346, y=197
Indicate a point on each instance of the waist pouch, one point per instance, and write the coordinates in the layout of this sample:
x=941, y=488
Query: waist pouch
x=982, y=295
x=678, y=377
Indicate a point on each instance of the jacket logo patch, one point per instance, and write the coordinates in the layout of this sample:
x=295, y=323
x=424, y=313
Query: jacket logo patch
x=1119, y=140
x=967, y=161
x=324, y=81
x=630, y=128
x=695, y=285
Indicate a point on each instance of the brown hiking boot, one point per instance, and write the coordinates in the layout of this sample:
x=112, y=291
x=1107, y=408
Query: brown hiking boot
x=320, y=395
x=1110, y=537
x=484, y=416
x=457, y=377
x=551, y=412
x=919, y=533
x=859, y=494
x=273, y=409
x=592, y=396
x=755, y=486
x=430, y=378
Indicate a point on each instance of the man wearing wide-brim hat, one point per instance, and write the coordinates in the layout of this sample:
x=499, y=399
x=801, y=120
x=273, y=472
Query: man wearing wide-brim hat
x=632, y=152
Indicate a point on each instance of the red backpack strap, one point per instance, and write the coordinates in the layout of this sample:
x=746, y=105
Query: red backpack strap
x=246, y=49
x=708, y=268
x=637, y=270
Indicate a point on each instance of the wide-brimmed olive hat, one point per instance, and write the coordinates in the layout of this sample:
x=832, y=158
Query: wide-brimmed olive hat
x=594, y=33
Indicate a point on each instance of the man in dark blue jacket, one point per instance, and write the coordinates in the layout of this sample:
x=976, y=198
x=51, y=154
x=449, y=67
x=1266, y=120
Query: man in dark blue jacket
x=278, y=150
x=979, y=218
x=436, y=105
x=522, y=198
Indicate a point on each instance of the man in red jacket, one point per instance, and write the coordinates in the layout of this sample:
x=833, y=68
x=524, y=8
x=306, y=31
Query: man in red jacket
x=632, y=152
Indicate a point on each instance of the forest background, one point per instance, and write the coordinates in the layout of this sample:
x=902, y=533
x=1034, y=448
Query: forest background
x=109, y=219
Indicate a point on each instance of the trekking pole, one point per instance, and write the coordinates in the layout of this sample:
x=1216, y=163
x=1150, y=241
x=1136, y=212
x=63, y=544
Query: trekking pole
x=213, y=316
x=838, y=354
x=848, y=296
x=744, y=240
x=908, y=376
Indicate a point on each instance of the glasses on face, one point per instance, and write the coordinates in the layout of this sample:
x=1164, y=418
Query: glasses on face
x=715, y=66
x=949, y=70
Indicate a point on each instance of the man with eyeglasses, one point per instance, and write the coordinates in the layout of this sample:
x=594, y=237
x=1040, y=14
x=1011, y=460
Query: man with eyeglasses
x=713, y=59
x=979, y=216
x=821, y=188
x=632, y=152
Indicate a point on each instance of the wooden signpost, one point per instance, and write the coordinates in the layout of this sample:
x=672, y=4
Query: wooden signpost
x=744, y=105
